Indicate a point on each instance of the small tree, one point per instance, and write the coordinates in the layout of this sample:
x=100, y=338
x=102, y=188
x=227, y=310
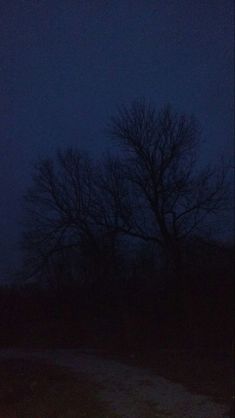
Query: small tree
x=61, y=222
x=57, y=208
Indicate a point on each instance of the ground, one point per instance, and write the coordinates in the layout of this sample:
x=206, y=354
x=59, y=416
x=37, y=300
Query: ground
x=108, y=387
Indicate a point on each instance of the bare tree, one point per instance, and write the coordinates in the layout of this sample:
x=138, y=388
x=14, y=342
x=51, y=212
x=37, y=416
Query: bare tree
x=63, y=207
x=154, y=191
x=57, y=208
x=157, y=192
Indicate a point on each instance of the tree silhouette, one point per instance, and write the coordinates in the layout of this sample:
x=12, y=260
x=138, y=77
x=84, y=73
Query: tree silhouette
x=57, y=207
x=61, y=222
x=154, y=191
x=159, y=193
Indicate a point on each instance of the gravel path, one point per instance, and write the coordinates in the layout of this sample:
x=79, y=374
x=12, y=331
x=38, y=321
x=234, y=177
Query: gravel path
x=131, y=392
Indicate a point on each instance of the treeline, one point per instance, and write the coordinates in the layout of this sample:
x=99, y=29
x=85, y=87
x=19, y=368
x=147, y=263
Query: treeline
x=134, y=310
x=114, y=249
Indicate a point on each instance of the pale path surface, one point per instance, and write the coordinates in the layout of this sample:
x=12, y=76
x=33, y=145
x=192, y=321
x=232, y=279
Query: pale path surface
x=130, y=391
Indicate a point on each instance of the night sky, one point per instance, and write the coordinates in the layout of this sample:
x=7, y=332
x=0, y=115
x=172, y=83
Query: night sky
x=66, y=65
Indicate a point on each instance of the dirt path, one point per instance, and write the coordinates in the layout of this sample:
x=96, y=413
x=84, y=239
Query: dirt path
x=131, y=392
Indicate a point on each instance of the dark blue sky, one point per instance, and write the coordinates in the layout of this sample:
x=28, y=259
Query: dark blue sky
x=66, y=65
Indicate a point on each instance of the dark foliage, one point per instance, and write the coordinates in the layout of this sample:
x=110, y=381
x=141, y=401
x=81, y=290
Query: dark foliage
x=133, y=313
